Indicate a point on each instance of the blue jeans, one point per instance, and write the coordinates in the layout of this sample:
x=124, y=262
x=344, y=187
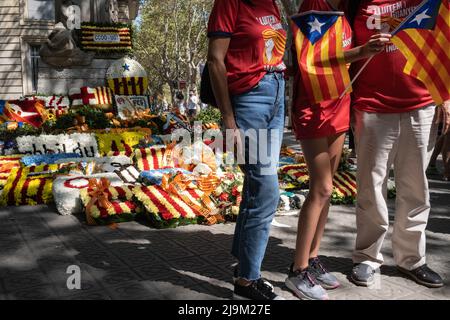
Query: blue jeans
x=261, y=108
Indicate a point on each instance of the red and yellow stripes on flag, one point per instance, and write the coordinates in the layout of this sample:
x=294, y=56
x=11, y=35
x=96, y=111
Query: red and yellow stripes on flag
x=428, y=54
x=322, y=65
x=25, y=186
x=88, y=33
x=129, y=85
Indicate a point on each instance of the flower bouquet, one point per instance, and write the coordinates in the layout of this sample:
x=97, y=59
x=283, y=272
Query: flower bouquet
x=228, y=195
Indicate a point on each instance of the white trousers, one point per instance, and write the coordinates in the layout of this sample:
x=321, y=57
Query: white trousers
x=405, y=140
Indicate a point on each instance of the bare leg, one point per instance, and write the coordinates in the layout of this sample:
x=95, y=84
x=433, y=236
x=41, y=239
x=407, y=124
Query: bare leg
x=316, y=152
x=335, y=145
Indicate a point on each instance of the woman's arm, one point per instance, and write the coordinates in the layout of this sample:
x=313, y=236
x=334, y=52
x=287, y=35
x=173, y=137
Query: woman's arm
x=374, y=46
x=217, y=51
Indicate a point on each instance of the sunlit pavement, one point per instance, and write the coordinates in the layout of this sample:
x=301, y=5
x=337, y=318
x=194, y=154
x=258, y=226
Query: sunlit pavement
x=193, y=262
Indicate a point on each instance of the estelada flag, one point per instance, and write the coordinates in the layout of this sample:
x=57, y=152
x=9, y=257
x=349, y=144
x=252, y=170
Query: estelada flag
x=424, y=39
x=320, y=54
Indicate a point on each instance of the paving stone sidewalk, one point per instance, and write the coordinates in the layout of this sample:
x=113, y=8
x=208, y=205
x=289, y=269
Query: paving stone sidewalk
x=135, y=261
x=193, y=262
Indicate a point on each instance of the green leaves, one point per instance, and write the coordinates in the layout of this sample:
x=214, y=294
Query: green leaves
x=95, y=118
x=210, y=115
x=25, y=130
x=171, y=41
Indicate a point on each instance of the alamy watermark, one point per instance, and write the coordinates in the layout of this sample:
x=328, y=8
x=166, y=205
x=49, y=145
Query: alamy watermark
x=73, y=281
x=230, y=147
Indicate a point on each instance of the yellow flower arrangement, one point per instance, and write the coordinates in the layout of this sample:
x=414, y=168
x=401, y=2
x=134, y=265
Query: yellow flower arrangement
x=122, y=142
x=29, y=186
x=109, y=143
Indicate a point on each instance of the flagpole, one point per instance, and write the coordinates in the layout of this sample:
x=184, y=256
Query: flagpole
x=393, y=32
x=356, y=77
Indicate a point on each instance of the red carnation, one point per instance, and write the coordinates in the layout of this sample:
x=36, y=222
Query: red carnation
x=235, y=192
x=167, y=216
x=224, y=197
x=208, y=142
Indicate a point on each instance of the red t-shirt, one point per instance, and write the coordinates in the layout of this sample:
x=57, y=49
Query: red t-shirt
x=383, y=86
x=300, y=97
x=257, y=42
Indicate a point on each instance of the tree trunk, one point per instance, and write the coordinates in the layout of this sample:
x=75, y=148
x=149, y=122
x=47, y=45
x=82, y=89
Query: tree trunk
x=289, y=7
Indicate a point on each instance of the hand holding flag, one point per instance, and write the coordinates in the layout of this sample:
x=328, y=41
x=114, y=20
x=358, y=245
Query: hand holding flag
x=321, y=58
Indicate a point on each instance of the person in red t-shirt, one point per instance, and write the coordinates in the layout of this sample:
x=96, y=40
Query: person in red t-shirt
x=321, y=130
x=394, y=123
x=245, y=62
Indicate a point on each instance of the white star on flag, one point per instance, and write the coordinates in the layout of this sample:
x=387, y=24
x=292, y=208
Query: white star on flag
x=316, y=26
x=420, y=17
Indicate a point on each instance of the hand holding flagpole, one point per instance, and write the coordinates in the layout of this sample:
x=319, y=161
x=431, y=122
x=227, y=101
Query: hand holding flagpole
x=392, y=33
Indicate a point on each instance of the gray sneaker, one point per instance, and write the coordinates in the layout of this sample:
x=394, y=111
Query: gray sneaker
x=304, y=286
x=363, y=275
x=321, y=274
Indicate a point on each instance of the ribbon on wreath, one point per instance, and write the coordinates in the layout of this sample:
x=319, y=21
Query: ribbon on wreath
x=79, y=124
x=138, y=115
x=12, y=125
x=112, y=119
x=178, y=186
x=99, y=195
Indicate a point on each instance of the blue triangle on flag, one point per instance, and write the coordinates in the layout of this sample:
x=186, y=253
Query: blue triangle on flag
x=314, y=24
x=424, y=17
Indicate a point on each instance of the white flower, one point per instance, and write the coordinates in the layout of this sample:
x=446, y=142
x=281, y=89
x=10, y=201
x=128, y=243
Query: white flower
x=218, y=191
